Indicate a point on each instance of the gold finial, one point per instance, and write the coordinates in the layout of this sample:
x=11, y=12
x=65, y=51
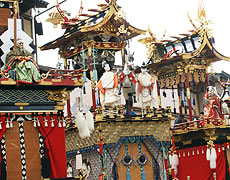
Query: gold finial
x=212, y=71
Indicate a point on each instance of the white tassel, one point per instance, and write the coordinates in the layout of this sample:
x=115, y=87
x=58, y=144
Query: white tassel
x=183, y=153
x=214, y=176
x=227, y=145
x=7, y=124
x=35, y=124
x=218, y=148
x=46, y=124
x=82, y=125
x=198, y=152
x=208, y=154
x=213, y=153
x=188, y=153
x=63, y=124
x=11, y=124
x=223, y=148
x=52, y=123
x=170, y=159
x=193, y=153
x=213, y=164
x=213, y=157
x=79, y=161
x=38, y=123
x=179, y=154
x=175, y=160
x=202, y=151
x=0, y=125
x=59, y=124
x=90, y=120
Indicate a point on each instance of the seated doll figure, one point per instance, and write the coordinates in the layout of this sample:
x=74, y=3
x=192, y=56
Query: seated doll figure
x=108, y=87
x=21, y=66
x=212, y=105
x=145, y=88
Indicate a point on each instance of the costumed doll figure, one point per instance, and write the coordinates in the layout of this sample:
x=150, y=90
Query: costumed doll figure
x=21, y=66
x=212, y=105
x=145, y=88
x=108, y=87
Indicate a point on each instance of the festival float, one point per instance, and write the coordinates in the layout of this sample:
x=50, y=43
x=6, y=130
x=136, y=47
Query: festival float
x=31, y=106
x=200, y=143
x=126, y=141
x=127, y=133
x=141, y=143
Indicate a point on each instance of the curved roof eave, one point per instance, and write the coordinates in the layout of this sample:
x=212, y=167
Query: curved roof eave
x=210, y=46
x=84, y=29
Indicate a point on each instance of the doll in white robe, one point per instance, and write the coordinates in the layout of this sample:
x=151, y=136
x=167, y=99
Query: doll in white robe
x=145, y=88
x=108, y=87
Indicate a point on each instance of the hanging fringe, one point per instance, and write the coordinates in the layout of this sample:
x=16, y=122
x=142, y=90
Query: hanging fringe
x=95, y=77
x=208, y=154
x=38, y=122
x=90, y=120
x=11, y=124
x=64, y=122
x=59, y=123
x=213, y=164
x=214, y=176
x=227, y=145
x=82, y=125
x=52, y=122
x=175, y=160
x=34, y=122
x=143, y=176
x=128, y=176
x=46, y=123
x=213, y=157
x=7, y=124
x=170, y=158
x=0, y=125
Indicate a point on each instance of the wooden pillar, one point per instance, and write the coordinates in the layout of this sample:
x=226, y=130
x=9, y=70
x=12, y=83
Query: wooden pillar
x=15, y=6
x=207, y=79
x=123, y=55
x=188, y=95
x=158, y=92
x=68, y=100
x=91, y=76
x=179, y=99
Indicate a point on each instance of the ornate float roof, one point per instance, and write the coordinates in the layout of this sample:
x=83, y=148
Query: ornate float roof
x=107, y=20
x=195, y=49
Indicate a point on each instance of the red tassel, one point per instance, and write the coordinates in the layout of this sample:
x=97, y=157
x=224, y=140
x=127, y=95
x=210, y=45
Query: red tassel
x=173, y=144
x=173, y=174
x=100, y=144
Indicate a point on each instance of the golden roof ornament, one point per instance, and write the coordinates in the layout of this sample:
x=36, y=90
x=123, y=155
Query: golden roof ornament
x=120, y=15
x=201, y=18
x=212, y=71
x=55, y=18
x=151, y=43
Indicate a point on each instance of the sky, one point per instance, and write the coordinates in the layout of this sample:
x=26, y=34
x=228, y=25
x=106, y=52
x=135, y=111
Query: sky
x=158, y=15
